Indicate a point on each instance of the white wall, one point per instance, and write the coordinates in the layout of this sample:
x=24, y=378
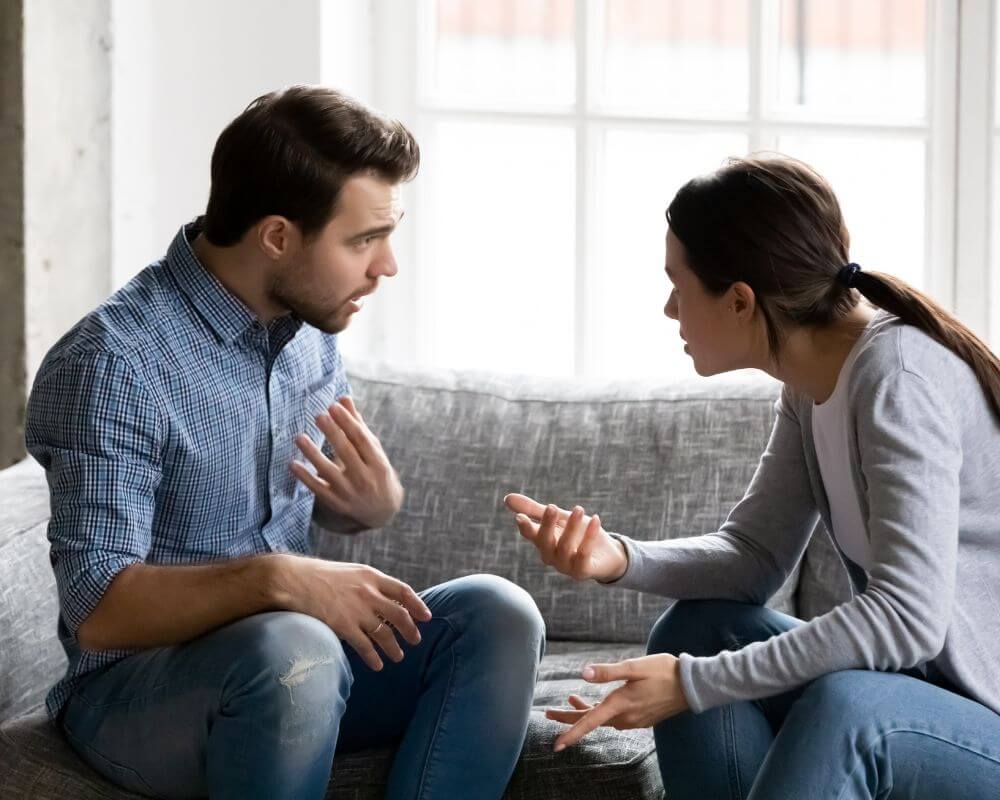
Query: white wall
x=67, y=218
x=182, y=70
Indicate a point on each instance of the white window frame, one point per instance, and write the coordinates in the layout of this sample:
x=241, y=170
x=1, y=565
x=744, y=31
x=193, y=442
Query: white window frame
x=958, y=176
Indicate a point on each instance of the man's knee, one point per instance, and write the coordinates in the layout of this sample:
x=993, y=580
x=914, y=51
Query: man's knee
x=497, y=609
x=293, y=658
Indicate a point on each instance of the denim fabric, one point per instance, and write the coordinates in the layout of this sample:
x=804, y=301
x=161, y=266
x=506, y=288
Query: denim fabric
x=850, y=735
x=257, y=708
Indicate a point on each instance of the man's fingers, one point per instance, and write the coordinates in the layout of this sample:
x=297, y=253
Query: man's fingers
x=348, y=402
x=383, y=634
x=318, y=487
x=400, y=619
x=324, y=466
x=406, y=597
x=364, y=441
x=593, y=719
x=342, y=445
x=363, y=646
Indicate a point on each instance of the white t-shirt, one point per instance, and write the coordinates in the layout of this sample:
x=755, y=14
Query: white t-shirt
x=829, y=424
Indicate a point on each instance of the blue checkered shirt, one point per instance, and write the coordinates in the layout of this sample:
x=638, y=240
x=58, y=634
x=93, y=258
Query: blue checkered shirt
x=165, y=422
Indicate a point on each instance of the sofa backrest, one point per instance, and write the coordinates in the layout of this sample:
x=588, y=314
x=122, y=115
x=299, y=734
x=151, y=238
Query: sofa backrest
x=656, y=460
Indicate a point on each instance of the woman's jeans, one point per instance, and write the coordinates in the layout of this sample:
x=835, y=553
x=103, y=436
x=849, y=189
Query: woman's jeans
x=845, y=736
x=256, y=709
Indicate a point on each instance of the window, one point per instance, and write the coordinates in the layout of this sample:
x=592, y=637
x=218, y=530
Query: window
x=556, y=132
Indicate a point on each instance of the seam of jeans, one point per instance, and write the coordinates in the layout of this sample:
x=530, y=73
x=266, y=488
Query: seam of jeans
x=729, y=732
x=441, y=711
x=936, y=736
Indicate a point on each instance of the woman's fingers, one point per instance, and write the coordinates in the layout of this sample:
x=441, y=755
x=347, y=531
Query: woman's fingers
x=579, y=703
x=522, y=504
x=604, y=673
x=599, y=715
x=527, y=528
x=564, y=715
x=547, y=538
x=583, y=557
x=570, y=539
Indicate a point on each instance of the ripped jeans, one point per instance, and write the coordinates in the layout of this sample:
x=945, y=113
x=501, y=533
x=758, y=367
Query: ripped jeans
x=257, y=708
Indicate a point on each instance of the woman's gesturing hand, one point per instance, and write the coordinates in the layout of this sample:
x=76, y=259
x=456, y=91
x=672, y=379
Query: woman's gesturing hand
x=652, y=692
x=571, y=541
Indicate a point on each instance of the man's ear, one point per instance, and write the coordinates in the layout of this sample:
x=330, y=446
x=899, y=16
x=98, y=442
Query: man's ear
x=276, y=236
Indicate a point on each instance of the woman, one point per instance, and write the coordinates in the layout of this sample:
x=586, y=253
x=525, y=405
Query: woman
x=888, y=427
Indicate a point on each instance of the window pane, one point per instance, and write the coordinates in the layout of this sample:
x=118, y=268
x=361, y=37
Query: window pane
x=503, y=52
x=675, y=57
x=497, y=272
x=628, y=334
x=880, y=185
x=853, y=57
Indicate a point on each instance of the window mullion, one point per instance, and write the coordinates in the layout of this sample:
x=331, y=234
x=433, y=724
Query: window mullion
x=975, y=107
x=585, y=11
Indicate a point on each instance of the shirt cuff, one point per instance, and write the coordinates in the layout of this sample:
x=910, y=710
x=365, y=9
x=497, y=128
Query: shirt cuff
x=92, y=581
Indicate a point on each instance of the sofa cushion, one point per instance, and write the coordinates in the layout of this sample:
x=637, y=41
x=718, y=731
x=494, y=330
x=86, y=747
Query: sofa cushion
x=36, y=762
x=656, y=460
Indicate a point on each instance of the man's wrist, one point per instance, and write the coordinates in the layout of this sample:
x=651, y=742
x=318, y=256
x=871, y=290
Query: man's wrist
x=273, y=576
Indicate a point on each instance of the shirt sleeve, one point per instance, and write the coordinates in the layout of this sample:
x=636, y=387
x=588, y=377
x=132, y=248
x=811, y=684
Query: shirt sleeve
x=759, y=544
x=94, y=428
x=911, y=455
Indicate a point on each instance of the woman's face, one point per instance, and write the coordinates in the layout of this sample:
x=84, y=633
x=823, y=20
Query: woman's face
x=709, y=324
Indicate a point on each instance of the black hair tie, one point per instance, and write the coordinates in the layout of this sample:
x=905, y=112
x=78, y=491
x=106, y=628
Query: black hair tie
x=848, y=275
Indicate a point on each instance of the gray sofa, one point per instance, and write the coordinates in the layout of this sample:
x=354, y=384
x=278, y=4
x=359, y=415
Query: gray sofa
x=656, y=460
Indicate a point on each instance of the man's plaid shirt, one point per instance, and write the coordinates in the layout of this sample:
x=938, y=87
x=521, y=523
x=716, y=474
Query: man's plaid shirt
x=165, y=422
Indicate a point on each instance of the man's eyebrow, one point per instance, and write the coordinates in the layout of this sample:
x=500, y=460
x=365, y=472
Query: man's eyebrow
x=380, y=230
x=670, y=272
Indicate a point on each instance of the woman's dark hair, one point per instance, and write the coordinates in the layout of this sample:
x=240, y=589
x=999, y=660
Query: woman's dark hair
x=291, y=151
x=775, y=224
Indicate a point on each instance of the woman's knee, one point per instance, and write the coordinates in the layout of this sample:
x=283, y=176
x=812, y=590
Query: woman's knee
x=707, y=627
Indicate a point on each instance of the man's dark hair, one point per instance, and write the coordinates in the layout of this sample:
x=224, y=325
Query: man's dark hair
x=291, y=151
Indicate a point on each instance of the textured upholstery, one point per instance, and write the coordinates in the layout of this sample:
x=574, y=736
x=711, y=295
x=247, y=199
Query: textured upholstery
x=656, y=460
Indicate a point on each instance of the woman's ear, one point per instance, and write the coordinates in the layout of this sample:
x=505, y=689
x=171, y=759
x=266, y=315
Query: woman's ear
x=742, y=300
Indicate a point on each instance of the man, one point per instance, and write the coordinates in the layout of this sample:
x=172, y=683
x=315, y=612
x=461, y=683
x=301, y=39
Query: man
x=208, y=653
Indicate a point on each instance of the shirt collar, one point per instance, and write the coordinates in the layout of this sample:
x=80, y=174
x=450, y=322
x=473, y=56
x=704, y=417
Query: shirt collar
x=225, y=313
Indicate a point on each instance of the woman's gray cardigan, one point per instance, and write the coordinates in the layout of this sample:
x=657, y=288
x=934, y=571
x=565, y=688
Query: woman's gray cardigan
x=925, y=458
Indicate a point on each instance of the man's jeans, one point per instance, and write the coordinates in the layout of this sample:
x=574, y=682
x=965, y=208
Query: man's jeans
x=846, y=736
x=257, y=708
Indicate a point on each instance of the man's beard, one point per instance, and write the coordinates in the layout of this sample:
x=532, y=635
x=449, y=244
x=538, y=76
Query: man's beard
x=311, y=312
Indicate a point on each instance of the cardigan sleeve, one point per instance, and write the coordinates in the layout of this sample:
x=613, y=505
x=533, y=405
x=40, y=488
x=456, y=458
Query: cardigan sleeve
x=759, y=544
